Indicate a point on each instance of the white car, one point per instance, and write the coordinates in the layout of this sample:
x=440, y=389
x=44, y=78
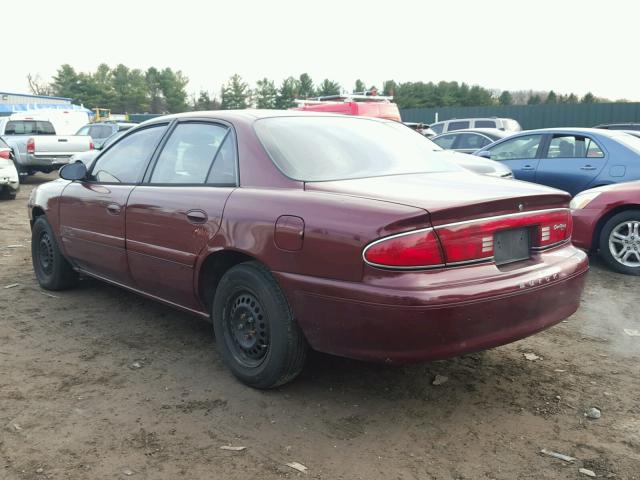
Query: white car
x=9, y=180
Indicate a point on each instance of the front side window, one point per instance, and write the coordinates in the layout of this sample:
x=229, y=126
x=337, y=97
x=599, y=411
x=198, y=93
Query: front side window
x=524, y=147
x=189, y=153
x=469, y=141
x=485, y=124
x=125, y=162
x=445, y=141
x=457, y=125
x=573, y=146
x=313, y=149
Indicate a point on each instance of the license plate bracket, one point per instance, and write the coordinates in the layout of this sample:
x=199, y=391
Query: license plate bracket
x=512, y=245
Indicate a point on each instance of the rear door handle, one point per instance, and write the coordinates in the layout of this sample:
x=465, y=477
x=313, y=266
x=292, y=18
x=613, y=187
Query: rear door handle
x=587, y=167
x=197, y=216
x=114, y=209
x=528, y=167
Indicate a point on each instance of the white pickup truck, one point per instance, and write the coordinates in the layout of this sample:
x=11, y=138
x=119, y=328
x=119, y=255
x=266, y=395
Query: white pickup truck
x=37, y=148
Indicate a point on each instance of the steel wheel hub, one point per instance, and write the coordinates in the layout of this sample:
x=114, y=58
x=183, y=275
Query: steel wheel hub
x=45, y=254
x=247, y=327
x=624, y=243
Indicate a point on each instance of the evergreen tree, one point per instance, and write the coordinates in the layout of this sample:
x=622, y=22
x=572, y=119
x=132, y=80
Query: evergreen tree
x=305, y=86
x=389, y=88
x=551, y=97
x=534, y=100
x=588, y=98
x=235, y=94
x=287, y=93
x=359, y=87
x=205, y=102
x=265, y=94
x=154, y=90
x=65, y=82
x=505, y=98
x=328, y=87
x=172, y=84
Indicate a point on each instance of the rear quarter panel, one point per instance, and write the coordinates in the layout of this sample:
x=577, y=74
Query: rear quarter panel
x=336, y=229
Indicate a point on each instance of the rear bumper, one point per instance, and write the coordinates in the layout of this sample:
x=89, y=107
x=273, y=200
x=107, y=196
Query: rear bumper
x=452, y=318
x=51, y=162
x=9, y=179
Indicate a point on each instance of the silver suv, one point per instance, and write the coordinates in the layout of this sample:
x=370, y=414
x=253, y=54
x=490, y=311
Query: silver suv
x=506, y=124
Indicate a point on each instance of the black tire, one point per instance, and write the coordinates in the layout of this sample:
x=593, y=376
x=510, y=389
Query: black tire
x=619, y=224
x=52, y=270
x=256, y=333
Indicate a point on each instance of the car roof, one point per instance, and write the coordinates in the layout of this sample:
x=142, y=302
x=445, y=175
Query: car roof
x=488, y=131
x=575, y=130
x=250, y=114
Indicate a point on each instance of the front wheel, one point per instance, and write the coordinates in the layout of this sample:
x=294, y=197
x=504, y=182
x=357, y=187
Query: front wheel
x=620, y=242
x=256, y=333
x=53, y=271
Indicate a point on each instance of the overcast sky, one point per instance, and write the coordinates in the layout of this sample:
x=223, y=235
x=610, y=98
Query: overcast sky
x=564, y=45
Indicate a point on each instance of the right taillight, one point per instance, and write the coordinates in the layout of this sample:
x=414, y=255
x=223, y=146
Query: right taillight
x=5, y=154
x=467, y=242
x=31, y=146
x=420, y=249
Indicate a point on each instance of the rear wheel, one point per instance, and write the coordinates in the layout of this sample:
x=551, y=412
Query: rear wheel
x=53, y=271
x=256, y=333
x=620, y=242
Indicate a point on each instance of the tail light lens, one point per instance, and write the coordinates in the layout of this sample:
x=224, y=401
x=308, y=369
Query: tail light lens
x=31, y=146
x=91, y=146
x=410, y=250
x=5, y=154
x=467, y=242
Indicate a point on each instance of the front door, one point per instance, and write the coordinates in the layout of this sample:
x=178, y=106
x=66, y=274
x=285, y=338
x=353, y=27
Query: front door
x=571, y=162
x=172, y=216
x=92, y=212
x=520, y=154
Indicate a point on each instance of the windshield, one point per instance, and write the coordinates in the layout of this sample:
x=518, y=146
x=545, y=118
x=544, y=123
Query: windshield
x=315, y=149
x=629, y=141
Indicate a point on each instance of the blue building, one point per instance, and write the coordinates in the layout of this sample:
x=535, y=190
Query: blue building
x=23, y=102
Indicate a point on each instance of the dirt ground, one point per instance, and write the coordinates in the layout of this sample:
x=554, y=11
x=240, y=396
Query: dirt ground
x=98, y=383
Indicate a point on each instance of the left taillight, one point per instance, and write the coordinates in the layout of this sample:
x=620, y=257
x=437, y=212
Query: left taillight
x=31, y=146
x=5, y=154
x=420, y=249
x=91, y=146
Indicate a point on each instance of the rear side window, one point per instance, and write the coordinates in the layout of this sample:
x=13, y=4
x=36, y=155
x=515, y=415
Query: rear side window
x=437, y=128
x=126, y=161
x=445, y=141
x=573, y=146
x=485, y=124
x=472, y=141
x=457, y=125
x=189, y=153
x=29, y=127
x=524, y=147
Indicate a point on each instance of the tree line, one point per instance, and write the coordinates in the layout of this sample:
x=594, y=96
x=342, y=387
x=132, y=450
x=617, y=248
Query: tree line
x=126, y=90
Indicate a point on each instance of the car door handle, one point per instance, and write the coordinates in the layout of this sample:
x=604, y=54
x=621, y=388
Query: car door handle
x=587, y=167
x=114, y=209
x=528, y=167
x=197, y=216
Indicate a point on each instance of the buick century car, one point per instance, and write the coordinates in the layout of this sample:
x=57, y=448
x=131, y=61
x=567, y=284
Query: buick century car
x=297, y=230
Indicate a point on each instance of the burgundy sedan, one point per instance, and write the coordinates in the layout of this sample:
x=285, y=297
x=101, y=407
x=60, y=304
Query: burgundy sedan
x=607, y=220
x=292, y=230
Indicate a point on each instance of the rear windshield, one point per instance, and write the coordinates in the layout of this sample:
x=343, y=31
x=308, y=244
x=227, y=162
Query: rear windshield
x=315, y=149
x=629, y=141
x=29, y=127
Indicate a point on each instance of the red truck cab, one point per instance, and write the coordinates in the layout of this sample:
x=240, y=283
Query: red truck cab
x=361, y=105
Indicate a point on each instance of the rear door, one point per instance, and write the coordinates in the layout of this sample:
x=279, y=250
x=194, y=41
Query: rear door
x=92, y=212
x=520, y=154
x=570, y=162
x=178, y=209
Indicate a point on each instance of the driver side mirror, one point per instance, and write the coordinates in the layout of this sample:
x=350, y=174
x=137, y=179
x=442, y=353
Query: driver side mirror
x=484, y=154
x=74, y=171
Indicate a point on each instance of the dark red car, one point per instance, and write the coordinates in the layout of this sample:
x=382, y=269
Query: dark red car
x=607, y=220
x=293, y=229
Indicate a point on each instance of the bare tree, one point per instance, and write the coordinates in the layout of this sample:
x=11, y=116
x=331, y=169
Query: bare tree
x=37, y=86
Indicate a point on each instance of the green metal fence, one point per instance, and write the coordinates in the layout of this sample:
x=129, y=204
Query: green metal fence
x=535, y=116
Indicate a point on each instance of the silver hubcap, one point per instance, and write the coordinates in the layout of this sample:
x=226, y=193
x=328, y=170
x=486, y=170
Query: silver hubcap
x=624, y=243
